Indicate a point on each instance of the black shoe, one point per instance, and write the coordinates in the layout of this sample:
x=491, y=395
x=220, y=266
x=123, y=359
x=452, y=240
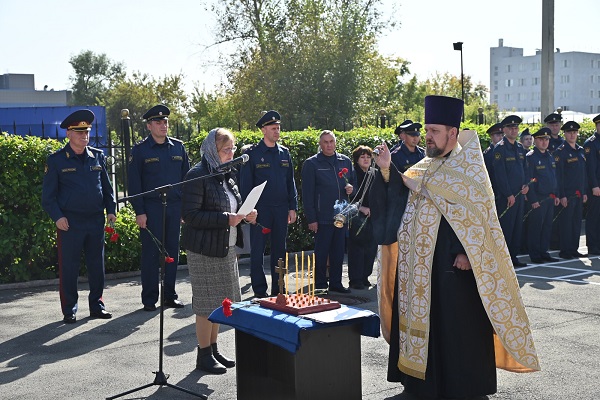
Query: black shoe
x=102, y=314
x=206, y=362
x=549, y=258
x=566, y=256
x=173, y=303
x=339, y=289
x=357, y=285
x=578, y=254
x=518, y=263
x=70, y=319
x=261, y=295
x=149, y=307
x=537, y=260
x=227, y=362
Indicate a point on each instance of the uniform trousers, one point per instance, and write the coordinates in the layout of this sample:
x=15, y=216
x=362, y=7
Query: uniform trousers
x=361, y=257
x=274, y=218
x=329, y=243
x=569, y=226
x=592, y=224
x=512, y=223
x=85, y=234
x=539, y=229
x=150, y=253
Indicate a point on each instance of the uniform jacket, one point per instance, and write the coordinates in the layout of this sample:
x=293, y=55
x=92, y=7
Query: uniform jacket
x=403, y=158
x=76, y=187
x=591, y=149
x=153, y=165
x=322, y=185
x=555, y=143
x=509, y=168
x=488, y=159
x=540, y=166
x=570, y=170
x=274, y=165
x=204, y=207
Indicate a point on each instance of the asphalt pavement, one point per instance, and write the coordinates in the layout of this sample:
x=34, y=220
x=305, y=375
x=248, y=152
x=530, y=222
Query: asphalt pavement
x=42, y=358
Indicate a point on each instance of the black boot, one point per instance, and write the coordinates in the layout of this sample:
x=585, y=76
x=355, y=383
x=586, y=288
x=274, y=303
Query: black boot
x=206, y=362
x=221, y=358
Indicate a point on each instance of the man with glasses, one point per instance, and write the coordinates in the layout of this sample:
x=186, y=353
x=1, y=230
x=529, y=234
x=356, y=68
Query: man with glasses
x=156, y=161
x=269, y=162
x=509, y=172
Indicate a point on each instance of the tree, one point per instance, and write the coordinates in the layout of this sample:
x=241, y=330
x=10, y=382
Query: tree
x=307, y=58
x=94, y=74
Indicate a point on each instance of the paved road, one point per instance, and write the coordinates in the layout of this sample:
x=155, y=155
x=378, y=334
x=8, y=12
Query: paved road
x=42, y=358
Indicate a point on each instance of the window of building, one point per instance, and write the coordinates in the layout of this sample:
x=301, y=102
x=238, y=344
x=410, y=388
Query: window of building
x=564, y=94
x=521, y=82
x=522, y=67
x=564, y=79
x=535, y=81
x=495, y=73
x=591, y=94
x=598, y=109
x=507, y=97
x=509, y=83
x=496, y=98
x=591, y=78
x=566, y=63
x=508, y=68
x=599, y=94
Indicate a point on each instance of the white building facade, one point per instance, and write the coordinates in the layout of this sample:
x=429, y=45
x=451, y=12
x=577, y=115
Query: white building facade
x=515, y=80
x=18, y=90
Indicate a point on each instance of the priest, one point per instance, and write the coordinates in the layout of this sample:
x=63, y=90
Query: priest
x=455, y=311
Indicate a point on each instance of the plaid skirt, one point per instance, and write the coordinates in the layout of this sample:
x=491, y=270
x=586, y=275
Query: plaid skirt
x=213, y=279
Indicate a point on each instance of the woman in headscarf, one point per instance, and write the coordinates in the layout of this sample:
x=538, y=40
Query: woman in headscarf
x=209, y=211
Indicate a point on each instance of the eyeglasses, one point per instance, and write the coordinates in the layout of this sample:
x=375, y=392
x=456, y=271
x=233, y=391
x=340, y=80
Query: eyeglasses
x=229, y=149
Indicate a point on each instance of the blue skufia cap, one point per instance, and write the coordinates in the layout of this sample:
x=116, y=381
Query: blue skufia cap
x=270, y=117
x=443, y=110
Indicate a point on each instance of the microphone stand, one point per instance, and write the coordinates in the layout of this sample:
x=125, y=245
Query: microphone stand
x=161, y=378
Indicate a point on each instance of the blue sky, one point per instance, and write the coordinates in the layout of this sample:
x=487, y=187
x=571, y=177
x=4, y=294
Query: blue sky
x=165, y=38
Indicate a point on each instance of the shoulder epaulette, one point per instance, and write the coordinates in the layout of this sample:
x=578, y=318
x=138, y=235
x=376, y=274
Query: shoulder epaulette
x=529, y=153
x=249, y=149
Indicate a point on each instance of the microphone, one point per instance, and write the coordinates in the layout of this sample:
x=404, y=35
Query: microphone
x=243, y=159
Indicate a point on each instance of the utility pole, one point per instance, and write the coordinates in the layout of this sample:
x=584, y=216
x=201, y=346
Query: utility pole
x=547, y=58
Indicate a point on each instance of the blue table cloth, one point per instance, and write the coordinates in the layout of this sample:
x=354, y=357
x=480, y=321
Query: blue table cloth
x=280, y=328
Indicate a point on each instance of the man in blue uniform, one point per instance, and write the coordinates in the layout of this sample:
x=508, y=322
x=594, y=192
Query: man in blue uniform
x=526, y=139
x=592, y=162
x=269, y=162
x=408, y=153
x=156, y=161
x=541, y=196
x=399, y=132
x=571, y=179
x=509, y=172
x=75, y=193
x=554, y=122
x=495, y=132
x=324, y=182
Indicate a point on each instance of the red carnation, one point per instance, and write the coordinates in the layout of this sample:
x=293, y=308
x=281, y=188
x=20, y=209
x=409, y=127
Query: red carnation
x=340, y=174
x=169, y=259
x=344, y=170
x=552, y=196
x=577, y=193
x=109, y=229
x=227, y=307
x=114, y=237
x=265, y=231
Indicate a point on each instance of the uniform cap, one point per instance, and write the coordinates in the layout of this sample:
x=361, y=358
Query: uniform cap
x=570, y=126
x=525, y=133
x=400, y=128
x=269, y=118
x=496, y=128
x=511, y=120
x=443, y=110
x=596, y=119
x=543, y=132
x=413, y=129
x=554, y=117
x=80, y=120
x=157, y=112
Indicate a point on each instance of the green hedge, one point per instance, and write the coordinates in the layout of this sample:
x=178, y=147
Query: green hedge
x=28, y=236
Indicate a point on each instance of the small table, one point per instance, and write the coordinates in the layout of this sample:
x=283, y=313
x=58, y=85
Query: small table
x=281, y=356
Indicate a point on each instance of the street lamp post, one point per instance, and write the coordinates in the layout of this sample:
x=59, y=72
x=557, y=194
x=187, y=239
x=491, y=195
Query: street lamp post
x=458, y=46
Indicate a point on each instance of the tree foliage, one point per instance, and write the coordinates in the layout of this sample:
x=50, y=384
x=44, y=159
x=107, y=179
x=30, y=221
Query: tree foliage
x=94, y=74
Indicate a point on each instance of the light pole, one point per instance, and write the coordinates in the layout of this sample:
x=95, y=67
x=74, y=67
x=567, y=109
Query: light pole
x=458, y=46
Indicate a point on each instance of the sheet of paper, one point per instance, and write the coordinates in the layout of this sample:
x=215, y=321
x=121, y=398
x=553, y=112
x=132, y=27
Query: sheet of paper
x=252, y=199
x=339, y=314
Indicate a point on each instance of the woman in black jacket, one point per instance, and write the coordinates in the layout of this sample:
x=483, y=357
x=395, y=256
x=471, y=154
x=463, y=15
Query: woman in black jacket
x=209, y=213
